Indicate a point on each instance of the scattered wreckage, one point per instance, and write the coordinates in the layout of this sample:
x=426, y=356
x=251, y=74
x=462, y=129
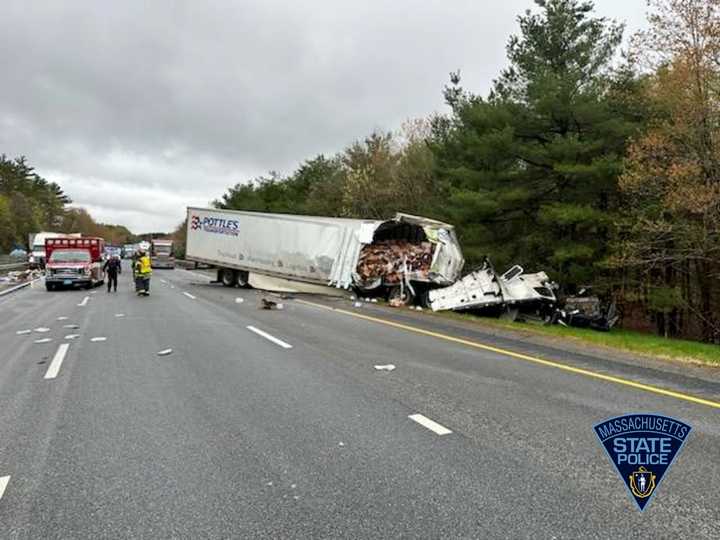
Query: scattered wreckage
x=17, y=277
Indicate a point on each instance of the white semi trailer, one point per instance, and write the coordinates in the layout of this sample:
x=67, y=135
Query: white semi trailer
x=403, y=257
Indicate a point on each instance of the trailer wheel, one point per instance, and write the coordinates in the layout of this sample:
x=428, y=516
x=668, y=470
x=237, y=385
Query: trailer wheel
x=396, y=297
x=243, y=279
x=228, y=277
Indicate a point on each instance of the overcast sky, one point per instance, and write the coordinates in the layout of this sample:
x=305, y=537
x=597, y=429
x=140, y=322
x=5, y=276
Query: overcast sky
x=139, y=109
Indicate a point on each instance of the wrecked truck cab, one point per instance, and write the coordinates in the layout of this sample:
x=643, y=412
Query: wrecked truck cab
x=484, y=288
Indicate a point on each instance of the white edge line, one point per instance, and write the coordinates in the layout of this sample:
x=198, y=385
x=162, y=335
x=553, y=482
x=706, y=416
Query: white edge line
x=267, y=336
x=3, y=484
x=57, y=361
x=430, y=424
x=189, y=295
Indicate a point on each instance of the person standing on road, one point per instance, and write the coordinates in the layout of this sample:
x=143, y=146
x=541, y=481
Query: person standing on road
x=112, y=268
x=142, y=272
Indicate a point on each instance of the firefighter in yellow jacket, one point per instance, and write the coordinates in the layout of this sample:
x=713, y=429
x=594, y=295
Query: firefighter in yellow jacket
x=142, y=272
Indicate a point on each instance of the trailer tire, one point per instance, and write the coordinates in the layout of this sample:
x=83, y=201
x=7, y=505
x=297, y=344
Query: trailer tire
x=243, y=279
x=406, y=298
x=228, y=277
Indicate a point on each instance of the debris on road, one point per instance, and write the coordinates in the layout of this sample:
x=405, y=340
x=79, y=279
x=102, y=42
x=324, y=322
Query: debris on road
x=72, y=336
x=390, y=260
x=164, y=352
x=62, y=318
x=98, y=339
x=585, y=311
x=239, y=300
x=341, y=443
x=71, y=326
x=119, y=315
x=23, y=332
x=387, y=367
x=42, y=330
x=266, y=303
x=43, y=340
x=357, y=304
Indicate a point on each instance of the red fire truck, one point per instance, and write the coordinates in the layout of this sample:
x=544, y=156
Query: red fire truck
x=73, y=261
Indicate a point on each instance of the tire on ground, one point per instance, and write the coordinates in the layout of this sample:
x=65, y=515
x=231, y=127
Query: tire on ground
x=228, y=277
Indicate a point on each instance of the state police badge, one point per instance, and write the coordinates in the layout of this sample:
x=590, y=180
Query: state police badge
x=642, y=447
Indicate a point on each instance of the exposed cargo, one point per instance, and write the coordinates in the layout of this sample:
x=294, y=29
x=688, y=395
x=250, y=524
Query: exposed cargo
x=403, y=256
x=484, y=288
x=161, y=253
x=73, y=262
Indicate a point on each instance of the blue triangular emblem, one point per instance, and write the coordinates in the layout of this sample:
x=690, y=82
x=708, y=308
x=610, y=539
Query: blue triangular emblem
x=642, y=447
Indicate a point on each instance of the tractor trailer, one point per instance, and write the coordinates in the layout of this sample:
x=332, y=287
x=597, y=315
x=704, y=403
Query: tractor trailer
x=402, y=257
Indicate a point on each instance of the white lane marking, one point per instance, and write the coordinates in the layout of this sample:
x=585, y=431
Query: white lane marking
x=57, y=361
x=84, y=301
x=430, y=424
x=267, y=336
x=3, y=484
x=189, y=295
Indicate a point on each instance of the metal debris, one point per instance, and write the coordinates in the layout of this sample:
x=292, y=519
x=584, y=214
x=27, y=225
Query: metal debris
x=23, y=332
x=357, y=304
x=62, y=318
x=71, y=326
x=266, y=303
x=387, y=367
x=239, y=300
x=72, y=336
x=42, y=330
x=119, y=315
x=43, y=340
x=97, y=339
x=164, y=352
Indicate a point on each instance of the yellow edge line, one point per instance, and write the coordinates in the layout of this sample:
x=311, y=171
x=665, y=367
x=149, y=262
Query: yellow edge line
x=520, y=356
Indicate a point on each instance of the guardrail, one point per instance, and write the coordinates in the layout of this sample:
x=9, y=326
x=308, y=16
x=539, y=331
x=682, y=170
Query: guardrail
x=13, y=266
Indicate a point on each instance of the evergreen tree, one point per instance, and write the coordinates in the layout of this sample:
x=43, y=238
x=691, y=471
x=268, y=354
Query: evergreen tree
x=532, y=169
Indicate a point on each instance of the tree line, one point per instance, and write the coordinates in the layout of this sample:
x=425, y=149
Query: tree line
x=598, y=167
x=29, y=203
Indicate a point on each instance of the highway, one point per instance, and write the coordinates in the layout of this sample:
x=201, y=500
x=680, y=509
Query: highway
x=276, y=424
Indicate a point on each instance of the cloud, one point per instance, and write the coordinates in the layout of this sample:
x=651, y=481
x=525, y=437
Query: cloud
x=173, y=101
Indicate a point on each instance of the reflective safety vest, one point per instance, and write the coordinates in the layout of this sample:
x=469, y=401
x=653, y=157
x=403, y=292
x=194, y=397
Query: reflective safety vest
x=142, y=266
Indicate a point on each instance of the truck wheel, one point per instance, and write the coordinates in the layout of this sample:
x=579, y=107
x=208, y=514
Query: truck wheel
x=228, y=277
x=50, y=286
x=398, y=298
x=243, y=279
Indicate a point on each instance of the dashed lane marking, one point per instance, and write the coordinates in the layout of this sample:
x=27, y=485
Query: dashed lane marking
x=430, y=424
x=57, y=361
x=267, y=336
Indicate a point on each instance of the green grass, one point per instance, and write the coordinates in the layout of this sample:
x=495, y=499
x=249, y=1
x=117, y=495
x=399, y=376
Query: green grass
x=625, y=340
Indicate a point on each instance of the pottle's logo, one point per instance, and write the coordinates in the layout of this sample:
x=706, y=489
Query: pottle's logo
x=642, y=447
x=215, y=225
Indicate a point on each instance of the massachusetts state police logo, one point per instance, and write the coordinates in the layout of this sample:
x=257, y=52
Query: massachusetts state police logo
x=642, y=447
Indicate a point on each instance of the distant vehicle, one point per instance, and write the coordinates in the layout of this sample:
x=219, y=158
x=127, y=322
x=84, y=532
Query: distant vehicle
x=129, y=250
x=112, y=250
x=73, y=262
x=161, y=253
x=402, y=257
x=18, y=254
x=36, y=242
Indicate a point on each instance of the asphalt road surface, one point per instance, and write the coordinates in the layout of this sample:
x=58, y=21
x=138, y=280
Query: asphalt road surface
x=275, y=424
